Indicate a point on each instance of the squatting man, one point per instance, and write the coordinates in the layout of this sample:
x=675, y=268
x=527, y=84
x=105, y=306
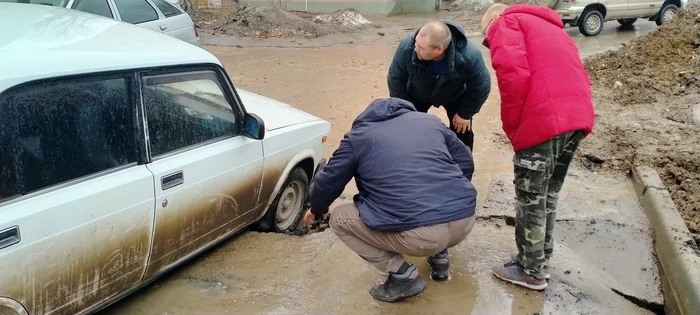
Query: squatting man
x=415, y=194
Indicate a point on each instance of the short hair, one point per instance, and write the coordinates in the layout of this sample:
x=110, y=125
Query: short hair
x=438, y=32
x=495, y=9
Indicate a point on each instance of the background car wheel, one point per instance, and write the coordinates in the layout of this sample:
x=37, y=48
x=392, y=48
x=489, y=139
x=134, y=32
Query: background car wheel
x=591, y=23
x=289, y=205
x=627, y=22
x=666, y=14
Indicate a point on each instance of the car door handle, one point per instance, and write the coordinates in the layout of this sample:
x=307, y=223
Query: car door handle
x=163, y=27
x=9, y=237
x=172, y=180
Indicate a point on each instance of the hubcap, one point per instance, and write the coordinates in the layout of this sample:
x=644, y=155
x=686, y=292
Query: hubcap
x=289, y=205
x=593, y=23
x=668, y=15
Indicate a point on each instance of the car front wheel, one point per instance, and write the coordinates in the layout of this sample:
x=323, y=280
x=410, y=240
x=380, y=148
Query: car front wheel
x=591, y=23
x=287, y=209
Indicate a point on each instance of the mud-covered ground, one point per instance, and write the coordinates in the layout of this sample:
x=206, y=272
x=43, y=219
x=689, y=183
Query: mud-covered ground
x=603, y=256
x=647, y=94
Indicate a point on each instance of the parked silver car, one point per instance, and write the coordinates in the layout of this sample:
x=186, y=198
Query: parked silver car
x=157, y=15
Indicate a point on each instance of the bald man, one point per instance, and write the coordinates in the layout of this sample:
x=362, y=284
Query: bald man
x=439, y=66
x=546, y=111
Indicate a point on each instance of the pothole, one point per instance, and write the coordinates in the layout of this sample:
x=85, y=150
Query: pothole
x=656, y=308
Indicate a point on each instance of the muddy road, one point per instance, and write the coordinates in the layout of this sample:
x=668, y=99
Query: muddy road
x=603, y=239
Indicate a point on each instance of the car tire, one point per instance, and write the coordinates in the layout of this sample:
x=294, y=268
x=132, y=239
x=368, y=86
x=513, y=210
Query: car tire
x=289, y=205
x=666, y=13
x=627, y=22
x=591, y=23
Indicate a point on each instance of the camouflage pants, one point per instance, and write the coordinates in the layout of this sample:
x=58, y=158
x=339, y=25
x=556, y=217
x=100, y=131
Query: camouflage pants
x=539, y=176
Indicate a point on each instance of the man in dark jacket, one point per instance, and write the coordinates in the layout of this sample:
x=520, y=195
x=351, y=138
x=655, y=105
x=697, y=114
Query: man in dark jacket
x=439, y=66
x=415, y=195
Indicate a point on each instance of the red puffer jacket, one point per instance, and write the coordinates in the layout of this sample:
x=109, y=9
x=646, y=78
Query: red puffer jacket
x=545, y=91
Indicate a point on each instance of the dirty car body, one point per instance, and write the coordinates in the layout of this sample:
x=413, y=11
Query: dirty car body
x=122, y=161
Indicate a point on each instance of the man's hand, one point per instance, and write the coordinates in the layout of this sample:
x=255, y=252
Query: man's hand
x=309, y=217
x=461, y=125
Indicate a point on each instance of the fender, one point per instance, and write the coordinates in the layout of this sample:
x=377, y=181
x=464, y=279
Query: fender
x=293, y=162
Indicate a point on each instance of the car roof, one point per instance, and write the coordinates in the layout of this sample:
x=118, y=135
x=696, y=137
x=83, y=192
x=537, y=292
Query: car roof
x=42, y=41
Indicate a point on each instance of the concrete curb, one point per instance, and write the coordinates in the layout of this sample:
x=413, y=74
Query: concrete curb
x=677, y=253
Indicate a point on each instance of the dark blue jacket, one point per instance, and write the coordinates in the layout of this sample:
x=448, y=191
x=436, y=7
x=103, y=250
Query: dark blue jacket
x=464, y=86
x=410, y=169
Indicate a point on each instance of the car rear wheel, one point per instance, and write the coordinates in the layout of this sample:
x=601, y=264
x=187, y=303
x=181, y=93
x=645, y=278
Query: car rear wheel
x=667, y=13
x=591, y=23
x=287, y=209
x=627, y=22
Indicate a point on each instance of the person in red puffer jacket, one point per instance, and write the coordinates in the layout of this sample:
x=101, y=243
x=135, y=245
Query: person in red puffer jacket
x=546, y=111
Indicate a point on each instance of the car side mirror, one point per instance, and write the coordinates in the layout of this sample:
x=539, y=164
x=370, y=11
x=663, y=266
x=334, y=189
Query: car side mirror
x=253, y=126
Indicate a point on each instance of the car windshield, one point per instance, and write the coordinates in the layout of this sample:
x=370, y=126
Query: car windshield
x=55, y=3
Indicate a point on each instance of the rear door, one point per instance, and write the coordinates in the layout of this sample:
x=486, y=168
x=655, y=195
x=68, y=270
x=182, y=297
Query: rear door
x=641, y=8
x=616, y=9
x=207, y=173
x=76, y=208
x=141, y=13
x=180, y=24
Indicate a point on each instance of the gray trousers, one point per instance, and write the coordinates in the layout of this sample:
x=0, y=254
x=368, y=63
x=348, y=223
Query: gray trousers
x=385, y=250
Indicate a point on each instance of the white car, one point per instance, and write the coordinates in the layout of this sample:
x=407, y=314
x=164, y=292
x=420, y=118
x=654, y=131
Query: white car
x=124, y=153
x=157, y=15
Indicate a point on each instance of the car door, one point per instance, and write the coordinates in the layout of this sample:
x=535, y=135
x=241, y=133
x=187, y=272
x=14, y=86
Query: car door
x=643, y=8
x=180, y=24
x=615, y=9
x=141, y=13
x=208, y=175
x=76, y=208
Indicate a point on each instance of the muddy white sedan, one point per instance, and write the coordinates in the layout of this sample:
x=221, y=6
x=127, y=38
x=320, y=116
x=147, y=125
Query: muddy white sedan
x=126, y=152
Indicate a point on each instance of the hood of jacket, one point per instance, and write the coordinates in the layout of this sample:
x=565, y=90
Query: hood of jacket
x=384, y=109
x=544, y=13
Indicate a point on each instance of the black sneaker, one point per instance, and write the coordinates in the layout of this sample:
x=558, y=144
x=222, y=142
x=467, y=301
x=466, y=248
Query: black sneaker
x=399, y=287
x=439, y=266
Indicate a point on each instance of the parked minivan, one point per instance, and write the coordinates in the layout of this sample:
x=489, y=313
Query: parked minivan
x=125, y=153
x=590, y=15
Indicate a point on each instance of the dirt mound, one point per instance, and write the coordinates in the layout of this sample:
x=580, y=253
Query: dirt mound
x=345, y=17
x=644, y=95
x=261, y=22
x=665, y=61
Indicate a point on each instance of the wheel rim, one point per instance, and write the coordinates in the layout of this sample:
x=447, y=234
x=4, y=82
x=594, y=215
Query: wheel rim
x=669, y=14
x=593, y=23
x=289, y=205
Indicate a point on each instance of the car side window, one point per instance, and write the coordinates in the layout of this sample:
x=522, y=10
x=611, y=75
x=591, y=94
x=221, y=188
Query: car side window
x=60, y=131
x=186, y=109
x=167, y=8
x=99, y=7
x=136, y=11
